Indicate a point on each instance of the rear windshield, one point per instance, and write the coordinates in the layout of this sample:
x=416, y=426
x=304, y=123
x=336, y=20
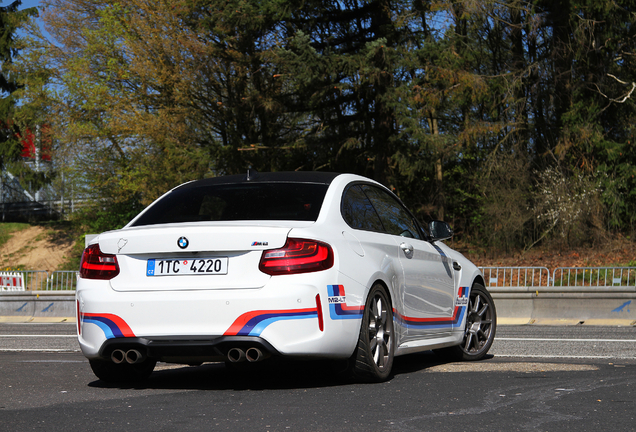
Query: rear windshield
x=231, y=202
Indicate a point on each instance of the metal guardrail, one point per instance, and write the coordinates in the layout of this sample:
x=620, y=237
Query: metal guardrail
x=516, y=276
x=33, y=280
x=62, y=281
x=595, y=276
x=497, y=278
x=38, y=280
x=583, y=279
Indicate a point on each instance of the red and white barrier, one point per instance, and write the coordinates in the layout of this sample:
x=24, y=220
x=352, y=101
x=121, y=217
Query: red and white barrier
x=10, y=281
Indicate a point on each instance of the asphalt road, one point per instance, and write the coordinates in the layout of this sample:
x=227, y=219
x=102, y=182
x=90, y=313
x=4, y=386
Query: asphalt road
x=538, y=379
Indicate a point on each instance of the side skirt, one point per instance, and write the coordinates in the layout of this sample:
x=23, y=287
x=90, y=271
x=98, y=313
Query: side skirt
x=414, y=346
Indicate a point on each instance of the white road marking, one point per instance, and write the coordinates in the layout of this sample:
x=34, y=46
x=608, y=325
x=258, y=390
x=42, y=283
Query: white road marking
x=40, y=336
x=37, y=350
x=559, y=356
x=564, y=340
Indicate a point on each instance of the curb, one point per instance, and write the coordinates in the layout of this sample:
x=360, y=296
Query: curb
x=36, y=320
x=566, y=322
x=37, y=306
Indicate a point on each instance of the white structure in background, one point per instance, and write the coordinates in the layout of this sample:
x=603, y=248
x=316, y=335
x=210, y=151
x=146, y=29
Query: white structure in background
x=16, y=201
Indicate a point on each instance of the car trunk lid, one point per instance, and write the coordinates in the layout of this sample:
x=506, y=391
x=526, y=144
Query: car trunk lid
x=198, y=256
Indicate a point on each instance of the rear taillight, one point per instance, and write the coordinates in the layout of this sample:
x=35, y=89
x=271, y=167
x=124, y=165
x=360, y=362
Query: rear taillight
x=97, y=265
x=297, y=256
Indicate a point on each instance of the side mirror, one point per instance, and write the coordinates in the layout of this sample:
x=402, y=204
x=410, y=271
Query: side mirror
x=439, y=230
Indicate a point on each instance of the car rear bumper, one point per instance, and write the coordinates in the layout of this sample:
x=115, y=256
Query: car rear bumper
x=191, y=349
x=286, y=317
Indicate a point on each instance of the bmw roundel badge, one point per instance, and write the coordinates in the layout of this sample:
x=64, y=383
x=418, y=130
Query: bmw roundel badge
x=183, y=242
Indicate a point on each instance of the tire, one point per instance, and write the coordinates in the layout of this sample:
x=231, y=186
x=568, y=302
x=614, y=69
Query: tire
x=123, y=372
x=372, y=359
x=481, y=326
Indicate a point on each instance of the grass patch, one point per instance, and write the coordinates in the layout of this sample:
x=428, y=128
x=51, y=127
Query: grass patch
x=72, y=262
x=8, y=228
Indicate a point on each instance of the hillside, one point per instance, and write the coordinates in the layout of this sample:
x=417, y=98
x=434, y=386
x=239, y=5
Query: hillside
x=50, y=248
x=38, y=248
x=616, y=252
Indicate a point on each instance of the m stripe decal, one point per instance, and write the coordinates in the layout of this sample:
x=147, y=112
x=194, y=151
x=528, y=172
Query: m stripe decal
x=254, y=323
x=112, y=325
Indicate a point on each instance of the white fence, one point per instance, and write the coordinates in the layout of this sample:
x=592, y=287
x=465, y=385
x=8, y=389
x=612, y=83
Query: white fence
x=584, y=279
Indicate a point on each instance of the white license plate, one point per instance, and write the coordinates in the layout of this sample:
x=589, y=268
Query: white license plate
x=187, y=266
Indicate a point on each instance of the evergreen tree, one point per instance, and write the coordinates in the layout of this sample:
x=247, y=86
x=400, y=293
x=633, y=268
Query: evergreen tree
x=466, y=109
x=344, y=59
x=10, y=21
x=242, y=99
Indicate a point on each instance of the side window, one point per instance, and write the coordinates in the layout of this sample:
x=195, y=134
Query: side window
x=395, y=218
x=358, y=212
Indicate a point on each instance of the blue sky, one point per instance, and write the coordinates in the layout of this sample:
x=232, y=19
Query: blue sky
x=25, y=3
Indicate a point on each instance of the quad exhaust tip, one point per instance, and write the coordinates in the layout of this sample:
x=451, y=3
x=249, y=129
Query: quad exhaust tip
x=236, y=355
x=131, y=356
x=252, y=355
x=118, y=356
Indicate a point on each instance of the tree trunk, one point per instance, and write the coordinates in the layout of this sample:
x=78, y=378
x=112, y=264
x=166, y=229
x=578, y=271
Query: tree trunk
x=439, y=177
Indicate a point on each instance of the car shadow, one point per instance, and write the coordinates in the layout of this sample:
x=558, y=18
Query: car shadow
x=269, y=375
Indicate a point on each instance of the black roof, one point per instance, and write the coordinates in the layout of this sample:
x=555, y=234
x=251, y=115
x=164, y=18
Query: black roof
x=267, y=177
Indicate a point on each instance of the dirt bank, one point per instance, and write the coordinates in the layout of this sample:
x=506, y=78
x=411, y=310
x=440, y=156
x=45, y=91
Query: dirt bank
x=37, y=248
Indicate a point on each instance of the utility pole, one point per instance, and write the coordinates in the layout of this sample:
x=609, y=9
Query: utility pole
x=37, y=158
x=62, y=200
